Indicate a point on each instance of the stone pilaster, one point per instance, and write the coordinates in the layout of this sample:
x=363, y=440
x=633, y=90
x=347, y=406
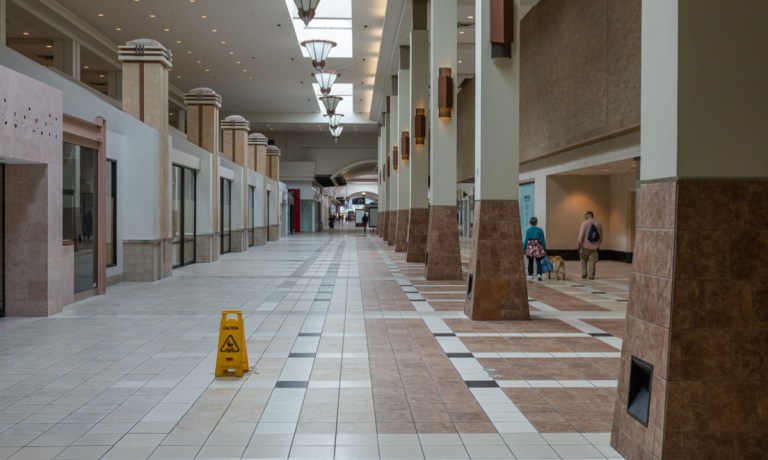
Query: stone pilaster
x=443, y=245
x=383, y=218
x=695, y=315
x=496, y=288
x=273, y=162
x=257, y=153
x=234, y=132
x=392, y=227
x=418, y=226
x=203, y=105
x=401, y=235
x=145, y=65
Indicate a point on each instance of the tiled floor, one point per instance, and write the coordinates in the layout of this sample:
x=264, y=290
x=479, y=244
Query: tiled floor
x=352, y=353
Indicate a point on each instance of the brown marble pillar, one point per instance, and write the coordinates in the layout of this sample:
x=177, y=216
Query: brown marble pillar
x=418, y=225
x=392, y=227
x=382, y=228
x=496, y=286
x=234, y=133
x=257, y=153
x=444, y=253
x=401, y=231
x=696, y=314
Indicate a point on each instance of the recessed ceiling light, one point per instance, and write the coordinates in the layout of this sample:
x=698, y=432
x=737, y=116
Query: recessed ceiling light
x=152, y=16
x=118, y=29
x=231, y=53
x=167, y=29
x=49, y=46
x=199, y=62
x=461, y=32
x=214, y=30
x=178, y=76
x=101, y=75
x=178, y=41
x=189, y=52
x=237, y=62
x=470, y=17
x=250, y=78
x=86, y=67
x=223, y=43
x=25, y=34
x=204, y=17
x=245, y=70
x=207, y=70
x=101, y=15
x=459, y=62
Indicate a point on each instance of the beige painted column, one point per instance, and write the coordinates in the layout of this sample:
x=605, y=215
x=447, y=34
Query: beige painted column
x=382, y=224
x=273, y=217
x=392, y=130
x=145, y=96
x=443, y=251
x=418, y=220
x=496, y=287
x=693, y=359
x=234, y=133
x=401, y=127
x=203, y=105
x=257, y=153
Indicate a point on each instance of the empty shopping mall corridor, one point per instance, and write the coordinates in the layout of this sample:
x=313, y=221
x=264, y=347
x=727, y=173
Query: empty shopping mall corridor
x=352, y=353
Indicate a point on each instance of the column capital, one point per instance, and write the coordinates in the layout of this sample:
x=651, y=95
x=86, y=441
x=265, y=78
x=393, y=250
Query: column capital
x=257, y=139
x=273, y=151
x=235, y=122
x=203, y=96
x=145, y=50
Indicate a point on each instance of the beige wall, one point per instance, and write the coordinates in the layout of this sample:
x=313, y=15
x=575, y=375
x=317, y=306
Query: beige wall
x=621, y=213
x=465, y=136
x=568, y=198
x=580, y=74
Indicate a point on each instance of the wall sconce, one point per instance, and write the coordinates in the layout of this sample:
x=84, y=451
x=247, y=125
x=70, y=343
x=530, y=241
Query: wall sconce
x=405, y=143
x=318, y=51
x=502, y=28
x=306, y=10
x=444, y=92
x=420, y=127
x=394, y=158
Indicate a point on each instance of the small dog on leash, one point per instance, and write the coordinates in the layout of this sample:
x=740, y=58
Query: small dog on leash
x=558, y=267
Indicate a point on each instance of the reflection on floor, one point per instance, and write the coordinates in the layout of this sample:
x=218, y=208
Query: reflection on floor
x=353, y=355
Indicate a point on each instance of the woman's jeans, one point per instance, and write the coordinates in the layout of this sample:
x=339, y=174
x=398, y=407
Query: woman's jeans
x=538, y=265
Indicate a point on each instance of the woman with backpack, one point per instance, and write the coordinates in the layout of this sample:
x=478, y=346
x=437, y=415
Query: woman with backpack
x=590, y=237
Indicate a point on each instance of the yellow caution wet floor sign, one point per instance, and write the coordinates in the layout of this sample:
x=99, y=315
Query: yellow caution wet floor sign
x=232, y=357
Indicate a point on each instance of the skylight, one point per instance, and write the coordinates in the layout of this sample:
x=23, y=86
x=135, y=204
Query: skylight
x=333, y=21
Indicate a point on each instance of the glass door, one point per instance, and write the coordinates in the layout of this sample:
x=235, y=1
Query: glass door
x=183, y=217
x=251, y=215
x=80, y=211
x=226, y=215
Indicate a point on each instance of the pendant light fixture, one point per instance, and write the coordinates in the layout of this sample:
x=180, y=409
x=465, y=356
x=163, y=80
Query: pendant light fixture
x=330, y=103
x=318, y=50
x=334, y=120
x=306, y=10
x=326, y=79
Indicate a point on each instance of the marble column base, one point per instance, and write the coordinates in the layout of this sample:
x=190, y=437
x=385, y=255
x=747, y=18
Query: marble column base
x=273, y=232
x=260, y=236
x=696, y=313
x=147, y=260
x=239, y=240
x=418, y=223
x=207, y=248
x=497, y=288
x=392, y=227
x=444, y=258
x=401, y=237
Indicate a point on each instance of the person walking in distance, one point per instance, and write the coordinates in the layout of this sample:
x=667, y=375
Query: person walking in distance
x=365, y=223
x=534, y=247
x=590, y=237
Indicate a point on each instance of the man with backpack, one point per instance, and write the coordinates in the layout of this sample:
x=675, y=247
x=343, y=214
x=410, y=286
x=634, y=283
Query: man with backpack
x=590, y=237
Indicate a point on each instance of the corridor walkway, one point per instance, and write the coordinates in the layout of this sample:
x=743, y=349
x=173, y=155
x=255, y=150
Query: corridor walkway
x=353, y=355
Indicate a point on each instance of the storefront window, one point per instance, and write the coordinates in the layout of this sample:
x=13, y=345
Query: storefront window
x=183, y=217
x=251, y=215
x=111, y=244
x=80, y=211
x=226, y=215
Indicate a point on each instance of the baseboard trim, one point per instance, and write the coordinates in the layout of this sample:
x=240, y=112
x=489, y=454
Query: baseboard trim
x=603, y=254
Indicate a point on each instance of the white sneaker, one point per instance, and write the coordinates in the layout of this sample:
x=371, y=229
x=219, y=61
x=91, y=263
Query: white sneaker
x=530, y=277
x=538, y=277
